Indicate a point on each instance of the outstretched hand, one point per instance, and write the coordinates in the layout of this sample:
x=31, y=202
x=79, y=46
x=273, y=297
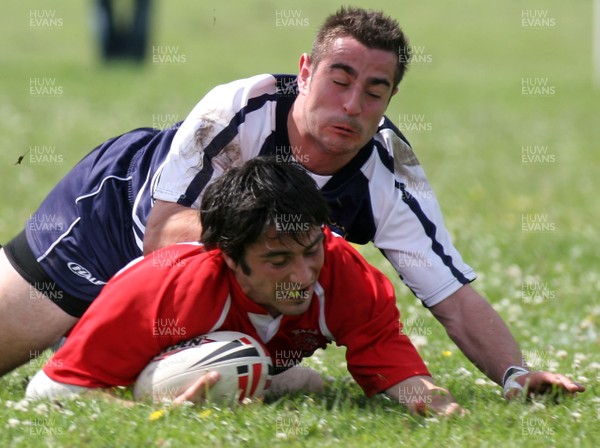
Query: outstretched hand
x=545, y=383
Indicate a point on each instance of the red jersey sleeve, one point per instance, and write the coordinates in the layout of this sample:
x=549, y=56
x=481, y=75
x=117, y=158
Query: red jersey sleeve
x=362, y=315
x=170, y=296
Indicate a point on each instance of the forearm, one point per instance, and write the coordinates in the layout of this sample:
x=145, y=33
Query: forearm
x=479, y=332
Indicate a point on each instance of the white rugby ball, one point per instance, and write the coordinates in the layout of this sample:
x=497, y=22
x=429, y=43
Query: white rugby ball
x=243, y=362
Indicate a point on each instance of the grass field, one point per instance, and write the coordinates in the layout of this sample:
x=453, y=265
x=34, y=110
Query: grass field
x=508, y=135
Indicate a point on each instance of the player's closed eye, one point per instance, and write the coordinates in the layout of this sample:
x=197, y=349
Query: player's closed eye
x=340, y=83
x=279, y=263
x=344, y=84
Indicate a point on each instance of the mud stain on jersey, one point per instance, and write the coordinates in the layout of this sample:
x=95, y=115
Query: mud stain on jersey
x=229, y=156
x=406, y=164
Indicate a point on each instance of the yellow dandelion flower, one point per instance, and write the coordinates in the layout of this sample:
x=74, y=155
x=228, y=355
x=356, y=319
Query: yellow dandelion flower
x=446, y=353
x=156, y=415
x=205, y=413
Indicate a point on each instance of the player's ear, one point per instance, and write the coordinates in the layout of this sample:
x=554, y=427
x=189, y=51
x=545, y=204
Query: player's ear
x=305, y=73
x=242, y=266
x=395, y=91
x=229, y=261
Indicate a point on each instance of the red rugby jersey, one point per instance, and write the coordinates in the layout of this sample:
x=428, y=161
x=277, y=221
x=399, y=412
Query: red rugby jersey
x=183, y=291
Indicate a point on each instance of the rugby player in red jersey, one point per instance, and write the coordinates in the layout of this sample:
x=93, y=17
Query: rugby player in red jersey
x=296, y=288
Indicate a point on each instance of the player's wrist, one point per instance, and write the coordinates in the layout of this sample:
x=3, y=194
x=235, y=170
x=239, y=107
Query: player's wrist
x=509, y=379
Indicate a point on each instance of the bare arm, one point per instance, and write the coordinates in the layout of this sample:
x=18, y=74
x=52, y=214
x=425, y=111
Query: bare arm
x=479, y=332
x=484, y=338
x=171, y=223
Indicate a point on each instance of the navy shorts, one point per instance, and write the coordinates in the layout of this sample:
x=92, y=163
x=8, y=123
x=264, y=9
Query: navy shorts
x=92, y=223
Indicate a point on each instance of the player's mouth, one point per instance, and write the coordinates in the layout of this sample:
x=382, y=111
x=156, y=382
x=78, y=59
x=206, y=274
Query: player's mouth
x=344, y=130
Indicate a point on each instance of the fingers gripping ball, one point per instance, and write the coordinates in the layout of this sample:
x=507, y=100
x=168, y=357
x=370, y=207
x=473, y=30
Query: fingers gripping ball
x=243, y=363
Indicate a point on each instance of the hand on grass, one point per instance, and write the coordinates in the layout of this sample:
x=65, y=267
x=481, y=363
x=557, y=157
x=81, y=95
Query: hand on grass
x=297, y=379
x=421, y=396
x=545, y=383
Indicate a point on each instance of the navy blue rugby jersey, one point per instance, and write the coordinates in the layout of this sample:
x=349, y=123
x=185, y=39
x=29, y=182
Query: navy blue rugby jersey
x=382, y=195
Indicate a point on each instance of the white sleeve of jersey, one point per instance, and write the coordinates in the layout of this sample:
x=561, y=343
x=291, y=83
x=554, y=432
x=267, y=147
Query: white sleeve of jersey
x=195, y=146
x=410, y=227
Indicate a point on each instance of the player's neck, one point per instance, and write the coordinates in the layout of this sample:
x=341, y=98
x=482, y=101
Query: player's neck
x=309, y=153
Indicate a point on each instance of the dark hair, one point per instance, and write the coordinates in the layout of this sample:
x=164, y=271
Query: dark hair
x=243, y=203
x=371, y=28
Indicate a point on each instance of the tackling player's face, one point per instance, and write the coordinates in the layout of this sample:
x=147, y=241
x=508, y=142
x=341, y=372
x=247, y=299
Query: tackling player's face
x=283, y=272
x=346, y=95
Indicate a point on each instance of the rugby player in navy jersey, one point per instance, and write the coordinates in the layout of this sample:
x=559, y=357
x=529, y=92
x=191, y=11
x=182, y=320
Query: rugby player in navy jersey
x=140, y=191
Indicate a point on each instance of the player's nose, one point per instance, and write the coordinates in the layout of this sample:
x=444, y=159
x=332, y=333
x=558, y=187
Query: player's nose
x=352, y=102
x=303, y=273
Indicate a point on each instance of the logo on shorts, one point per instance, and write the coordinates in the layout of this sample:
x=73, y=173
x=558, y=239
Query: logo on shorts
x=83, y=272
